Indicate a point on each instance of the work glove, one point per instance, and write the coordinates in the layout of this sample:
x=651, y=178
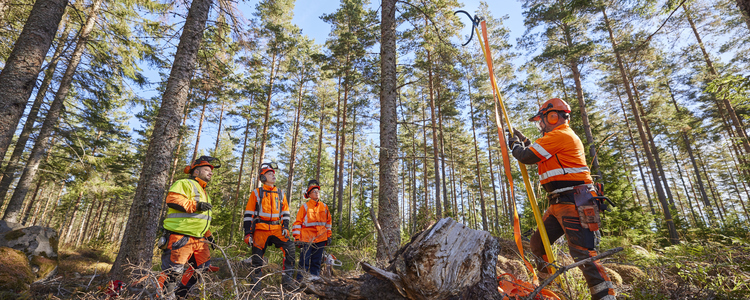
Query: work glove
x=203, y=206
x=513, y=142
x=521, y=137
x=328, y=242
x=249, y=239
x=210, y=238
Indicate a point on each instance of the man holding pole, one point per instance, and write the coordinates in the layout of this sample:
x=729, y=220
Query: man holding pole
x=564, y=174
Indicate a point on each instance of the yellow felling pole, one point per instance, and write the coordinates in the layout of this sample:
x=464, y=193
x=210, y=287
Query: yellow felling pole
x=524, y=172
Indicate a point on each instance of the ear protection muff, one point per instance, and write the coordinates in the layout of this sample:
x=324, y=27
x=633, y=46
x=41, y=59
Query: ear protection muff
x=552, y=118
x=262, y=178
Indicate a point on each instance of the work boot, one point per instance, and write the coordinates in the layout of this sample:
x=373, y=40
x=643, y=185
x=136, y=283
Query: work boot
x=168, y=292
x=257, y=285
x=288, y=283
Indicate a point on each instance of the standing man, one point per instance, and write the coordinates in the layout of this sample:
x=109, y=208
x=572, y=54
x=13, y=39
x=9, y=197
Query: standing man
x=266, y=223
x=565, y=176
x=312, y=230
x=187, y=237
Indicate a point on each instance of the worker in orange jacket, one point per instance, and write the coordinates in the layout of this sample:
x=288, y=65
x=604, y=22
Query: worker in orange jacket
x=312, y=230
x=186, y=235
x=266, y=223
x=564, y=174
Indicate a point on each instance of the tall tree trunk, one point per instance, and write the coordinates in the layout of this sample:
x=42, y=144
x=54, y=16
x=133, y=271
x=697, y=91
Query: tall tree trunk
x=137, y=245
x=351, y=171
x=446, y=200
x=218, y=132
x=86, y=221
x=413, y=205
x=39, y=215
x=64, y=236
x=239, y=180
x=200, y=128
x=342, y=154
x=388, y=157
x=730, y=109
x=689, y=148
x=320, y=140
x=267, y=113
x=492, y=176
x=485, y=225
x=50, y=122
x=13, y=163
x=453, y=177
x=684, y=186
x=295, y=134
x=673, y=237
x=18, y=77
x=711, y=188
x=425, y=186
x=179, y=146
x=27, y=211
x=336, y=147
x=582, y=103
x=655, y=150
x=435, y=143
x=635, y=152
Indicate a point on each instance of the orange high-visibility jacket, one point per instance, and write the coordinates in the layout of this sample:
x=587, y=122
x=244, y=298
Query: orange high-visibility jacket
x=562, y=163
x=313, y=222
x=273, y=212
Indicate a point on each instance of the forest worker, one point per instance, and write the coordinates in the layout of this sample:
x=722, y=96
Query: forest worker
x=187, y=237
x=312, y=230
x=559, y=155
x=266, y=223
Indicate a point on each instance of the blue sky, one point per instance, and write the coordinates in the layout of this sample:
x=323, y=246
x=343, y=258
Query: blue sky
x=307, y=17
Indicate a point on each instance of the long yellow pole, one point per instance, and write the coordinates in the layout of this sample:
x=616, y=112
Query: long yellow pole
x=524, y=172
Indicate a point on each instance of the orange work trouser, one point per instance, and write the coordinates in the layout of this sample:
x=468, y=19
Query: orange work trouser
x=181, y=250
x=562, y=218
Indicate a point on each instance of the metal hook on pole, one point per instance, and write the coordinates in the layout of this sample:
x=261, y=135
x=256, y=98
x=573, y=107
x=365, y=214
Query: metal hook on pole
x=474, y=23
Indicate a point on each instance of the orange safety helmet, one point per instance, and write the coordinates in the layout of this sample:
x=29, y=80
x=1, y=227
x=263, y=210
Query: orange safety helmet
x=554, y=104
x=311, y=185
x=212, y=162
x=265, y=168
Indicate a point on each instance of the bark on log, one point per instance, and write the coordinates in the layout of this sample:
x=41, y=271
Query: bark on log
x=446, y=261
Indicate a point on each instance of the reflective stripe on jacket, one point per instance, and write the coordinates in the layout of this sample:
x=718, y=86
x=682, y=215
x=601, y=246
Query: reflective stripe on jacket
x=188, y=221
x=313, y=223
x=272, y=209
x=563, y=160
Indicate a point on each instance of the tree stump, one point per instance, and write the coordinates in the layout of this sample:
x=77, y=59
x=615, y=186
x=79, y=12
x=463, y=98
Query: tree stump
x=446, y=261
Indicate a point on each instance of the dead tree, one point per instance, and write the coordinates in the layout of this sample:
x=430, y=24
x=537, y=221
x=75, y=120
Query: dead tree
x=446, y=261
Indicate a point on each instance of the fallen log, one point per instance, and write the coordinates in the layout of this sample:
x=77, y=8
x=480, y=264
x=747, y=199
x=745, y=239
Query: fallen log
x=446, y=261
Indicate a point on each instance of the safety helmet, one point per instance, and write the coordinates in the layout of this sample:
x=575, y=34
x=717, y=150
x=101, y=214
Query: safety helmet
x=265, y=168
x=554, y=104
x=311, y=185
x=212, y=162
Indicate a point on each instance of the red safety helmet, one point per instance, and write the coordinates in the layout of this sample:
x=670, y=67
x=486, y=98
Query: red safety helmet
x=311, y=185
x=212, y=162
x=554, y=104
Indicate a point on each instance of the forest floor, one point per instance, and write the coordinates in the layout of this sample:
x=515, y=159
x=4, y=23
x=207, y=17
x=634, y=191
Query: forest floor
x=714, y=269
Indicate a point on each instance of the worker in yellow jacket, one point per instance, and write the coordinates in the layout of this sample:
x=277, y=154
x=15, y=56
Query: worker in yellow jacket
x=312, y=230
x=186, y=235
x=266, y=223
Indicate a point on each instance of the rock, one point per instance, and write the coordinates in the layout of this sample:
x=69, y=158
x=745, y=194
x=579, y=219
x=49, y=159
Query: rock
x=629, y=274
x=39, y=244
x=15, y=271
x=9, y=226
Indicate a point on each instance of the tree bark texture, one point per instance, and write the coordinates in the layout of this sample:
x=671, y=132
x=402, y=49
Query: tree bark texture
x=38, y=153
x=138, y=239
x=18, y=77
x=447, y=261
x=13, y=162
x=388, y=210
